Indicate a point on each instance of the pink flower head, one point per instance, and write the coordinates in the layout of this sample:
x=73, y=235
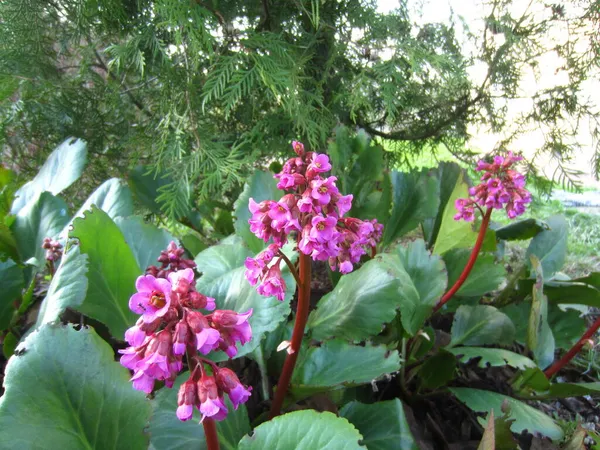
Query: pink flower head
x=273, y=283
x=500, y=187
x=206, y=337
x=298, y=148
x=319, y=163
x=152, y=299
x=187, y=398
x=211, y=403
x=234, y=328
x=229, y=383
x=323, y=228
x=322, y=190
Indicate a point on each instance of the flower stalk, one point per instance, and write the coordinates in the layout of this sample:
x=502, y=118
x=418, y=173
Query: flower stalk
x=210, y=434
x=297, y=335
x=562, y=362
x=470, y=263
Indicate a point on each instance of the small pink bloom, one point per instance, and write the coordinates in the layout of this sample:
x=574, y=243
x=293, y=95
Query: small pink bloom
x=254, y=269
x=273, y=284
x=152, y=299
x=207, y=338
x=182, y=281
x=211, y=404
x=142, y=382
x=229, y=383
x=323, y=228
x=322, y=190
x=319, y=163
x=344, y=204
x=298, y=148
x=187, y=398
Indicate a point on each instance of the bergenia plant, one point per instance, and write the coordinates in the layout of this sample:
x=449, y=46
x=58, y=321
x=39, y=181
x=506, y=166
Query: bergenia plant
x=172, y=326
x=313, y=212
x=501, y=187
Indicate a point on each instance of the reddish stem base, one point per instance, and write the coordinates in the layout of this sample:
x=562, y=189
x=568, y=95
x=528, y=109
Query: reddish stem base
x=210, y=433
x=470, y=263
x=297, y=335
x=562, y=362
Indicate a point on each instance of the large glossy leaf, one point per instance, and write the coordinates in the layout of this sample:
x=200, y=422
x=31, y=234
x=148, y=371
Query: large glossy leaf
x=437, y=370
x=382, y=424
x=144, y=239
x=12, y=282
x=521, y=230
x=525, y=417
x=455, y=233
x=362, y=301
x=485, y=276
x=540, y=339
x=337, y=363
x=167, y=432
x=261, y=186
x=447, y=174
x=566, y=323
x=67, y=387
x=427, y=273
x=112, y=271
x=44, y=217
x=304, y=430
x=223, y=278
x=63, y=166
x=68, y=287
x=492, y=357
x=113, y=197
x=481, y=325
x=550, y=246
x=415, y=199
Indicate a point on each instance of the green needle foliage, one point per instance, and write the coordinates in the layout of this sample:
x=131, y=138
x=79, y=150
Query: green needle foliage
x=202, y=90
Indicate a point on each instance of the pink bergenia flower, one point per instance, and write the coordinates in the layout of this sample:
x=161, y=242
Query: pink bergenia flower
x=211, y=404
x=322, y=190
x=152, y=299
x=229, y=383
x=323, y=228
x=273, y=283
x=171, y=327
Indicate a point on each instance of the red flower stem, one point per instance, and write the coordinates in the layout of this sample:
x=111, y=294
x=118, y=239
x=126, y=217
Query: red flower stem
x=297, y=334
x=290, y=266
x=210, y=434
x=470, y=263
x=562, y=362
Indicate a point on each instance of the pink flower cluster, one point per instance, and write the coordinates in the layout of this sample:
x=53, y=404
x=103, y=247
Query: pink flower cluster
x=501, y=188
x=53, y=249
x=314, y=210
x=171, y=260
x=170, y=327
x=206, y=393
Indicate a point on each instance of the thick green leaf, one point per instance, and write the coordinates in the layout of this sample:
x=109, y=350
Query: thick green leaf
x=565, y=390
x=9, y=345
x=550, y=246
x=112, y=271
x=68, y=287
x=447, y=174
x=12, y=282
x=415, y=199
x=8, y=245
x=223, y=278
x=566, y=323
x=485, y=276
x=193, y=243
x=428, y=275
x=261, y=186
x=144, y=239
x=377, y=204
x=145, y=186
x=492, y=356
x=44, y=217
x=62, y=168
x=437, y=370
x=540, y=339
x=565, y=291
x=336, y=362
x=455, y=233
x=67, y=387
x=481, y=325
x=167, y=432
x=525, y=417
x=362, y=301
x=304, y=430
x=113, y=197
x=521, y=230
x=382, y=424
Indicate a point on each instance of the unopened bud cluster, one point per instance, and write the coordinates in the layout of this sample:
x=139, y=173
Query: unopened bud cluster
x=172, y=326
x=501, y=187
x=313, y=208
x=53, y=249
x=171, y=260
